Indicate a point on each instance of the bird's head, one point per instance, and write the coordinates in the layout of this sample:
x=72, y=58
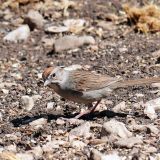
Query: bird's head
x=52, y=76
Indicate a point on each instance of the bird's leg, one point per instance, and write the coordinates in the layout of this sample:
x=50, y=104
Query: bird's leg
x=91, y=110
x=94, y=107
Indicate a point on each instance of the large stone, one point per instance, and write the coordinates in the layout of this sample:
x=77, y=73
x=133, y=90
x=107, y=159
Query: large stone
x=115, y=128
x=80, y=131
x=20, y=34
x=151, y=107
x=128, y=142
x=72, y=42
x=34, y=19
x=96, y=155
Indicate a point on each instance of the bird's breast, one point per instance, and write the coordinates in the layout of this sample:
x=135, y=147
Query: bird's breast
x=85, y=97
x=74, y=96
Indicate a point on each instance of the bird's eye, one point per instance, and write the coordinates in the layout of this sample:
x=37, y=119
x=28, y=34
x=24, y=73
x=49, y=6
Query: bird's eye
x=53, y=75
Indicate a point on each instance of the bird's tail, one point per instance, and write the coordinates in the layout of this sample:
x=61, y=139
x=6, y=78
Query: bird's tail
x=142, y=81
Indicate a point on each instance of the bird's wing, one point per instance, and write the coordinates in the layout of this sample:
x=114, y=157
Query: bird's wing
x=80, y=80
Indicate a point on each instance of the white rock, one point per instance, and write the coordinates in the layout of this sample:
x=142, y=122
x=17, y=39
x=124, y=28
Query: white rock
x=1, y=116
x=57, y=29
x=34, y=19
x=128, y=142
x=25, y=156
x=48, y=138
x=96, y=155
x=150, y=149
x=119, y=107
x=136, y=72
x=82, y=130
x=136, y=127
x=17, y=76
x=115, y=128
x=158, y=156
x=7, y=84
x=78, y=144
x=151, y=107
x=99, y=32
x=37, y=151
x=49, y=146
x=98, y=141
x=1, y=150
x=16, y=65
x=11, y=148
x=40, y=121
x=7, y=14
x=5, y=91
x=139, y=105
x=6, y=155
x=72, y=42
x=156, y=53
x=123, y=49
x=155, y=85
x=153, y=129
x=152, y=158
x=39, y=75
x=36, y=97
x=28, y=102
x=74, y=22
x=12, y=137
x=20, y=34
x=60, y=121
x=75, y=25
x=139, y=95
x=50, y=106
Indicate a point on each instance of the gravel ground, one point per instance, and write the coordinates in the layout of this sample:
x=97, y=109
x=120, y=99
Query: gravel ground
x=117, y=52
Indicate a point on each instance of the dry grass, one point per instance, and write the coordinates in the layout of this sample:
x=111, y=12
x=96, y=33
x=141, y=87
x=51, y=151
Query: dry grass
x=145, y=19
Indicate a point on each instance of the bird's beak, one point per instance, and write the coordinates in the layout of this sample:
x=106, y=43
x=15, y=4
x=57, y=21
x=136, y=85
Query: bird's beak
x=46, y=83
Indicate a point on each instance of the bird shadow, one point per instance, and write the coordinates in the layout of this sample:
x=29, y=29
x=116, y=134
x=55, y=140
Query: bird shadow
x=28, y=119
x=106, y=113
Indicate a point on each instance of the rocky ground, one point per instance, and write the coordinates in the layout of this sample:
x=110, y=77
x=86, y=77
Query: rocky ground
x=97, y=36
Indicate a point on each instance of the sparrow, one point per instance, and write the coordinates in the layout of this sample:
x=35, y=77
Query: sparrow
x=81, y=86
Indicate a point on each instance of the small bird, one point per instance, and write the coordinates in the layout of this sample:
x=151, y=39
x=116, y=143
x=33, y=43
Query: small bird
x=75, y=84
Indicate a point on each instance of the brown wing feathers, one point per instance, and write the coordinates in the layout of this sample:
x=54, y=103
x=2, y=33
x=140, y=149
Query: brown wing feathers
x=85, y=80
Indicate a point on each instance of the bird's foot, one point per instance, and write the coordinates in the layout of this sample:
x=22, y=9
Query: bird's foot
x=91, y=110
